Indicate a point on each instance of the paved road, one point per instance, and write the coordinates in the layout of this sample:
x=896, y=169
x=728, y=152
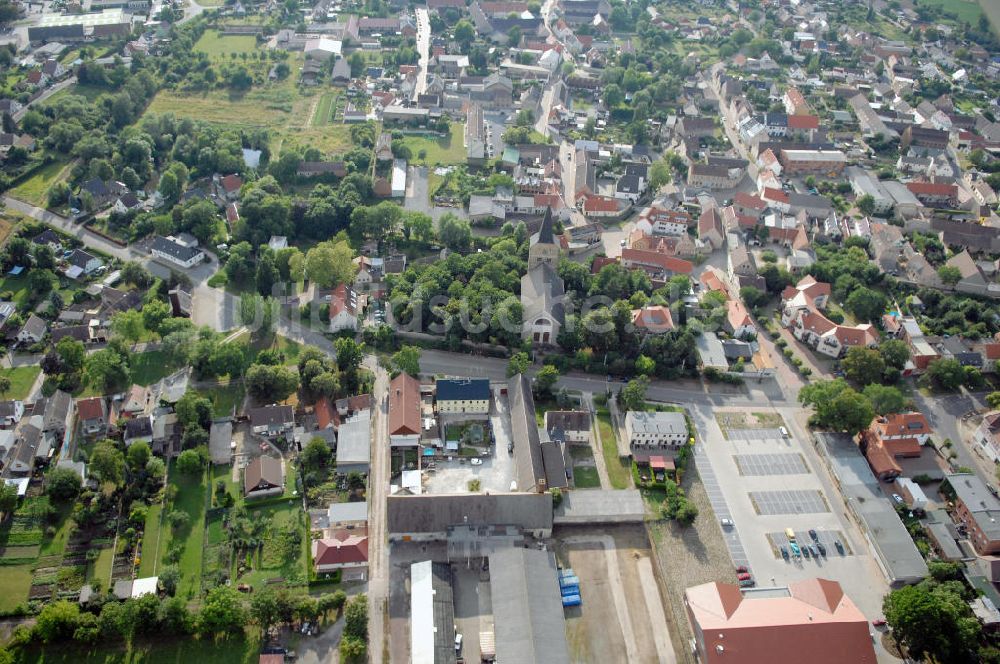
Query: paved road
x=423, y=47
x=378, y=488
x=61, y=85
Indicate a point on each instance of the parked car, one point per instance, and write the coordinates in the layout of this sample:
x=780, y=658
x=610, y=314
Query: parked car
x=741, y=569
x=747, y=583
x=879, y=622
x=510, y=447
x=805, y=550
x=784, y=553
x=840, y=547
x=813, y=551
x=784, y=432
x=822, y=549
x=898, y=498
x=726, y=523
x=795, y=549
x=812, y=534
x=476, y=461
x=743, y=577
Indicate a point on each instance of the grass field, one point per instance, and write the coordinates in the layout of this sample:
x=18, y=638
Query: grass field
x=240, y=650
x=617, y=471
x=149, y=367
x=216, y=45
x=440, y=151
x=8, y=222
x=324, y=109
x=224, y=398
x=992, y=10
x=35, y=189
x=966, y=10
x=586, y=477
x=21, y=380
x=191, y=499
x=15, y=582
x=100, y=569
x=150, y=539
x=278, y=560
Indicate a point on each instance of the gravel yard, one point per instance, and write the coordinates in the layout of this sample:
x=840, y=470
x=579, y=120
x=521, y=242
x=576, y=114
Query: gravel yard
x=688, y=557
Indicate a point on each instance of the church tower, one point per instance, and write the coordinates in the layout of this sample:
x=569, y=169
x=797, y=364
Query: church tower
x=543, y=248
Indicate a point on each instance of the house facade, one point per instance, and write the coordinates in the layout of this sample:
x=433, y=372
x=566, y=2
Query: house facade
x=463, y=395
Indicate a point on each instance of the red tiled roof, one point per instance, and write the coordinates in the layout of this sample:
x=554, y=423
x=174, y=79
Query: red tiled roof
x=231, y=183
x=342, y=299
x=652, y=258
x=325, y=414
x=746, y=200
x=345, y=547
x=594, y=203
x=653, y=318
x=880, y=460
x=932, y=188
x=772, y=194
x=600, y=262
x=902, y=424
x=404, y=406
x=803, y=122
x=90, y=409
x=862, y=335
x=737, y=314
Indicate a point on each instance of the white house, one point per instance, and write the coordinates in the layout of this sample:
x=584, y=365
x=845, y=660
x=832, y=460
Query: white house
x=172, y=251
x=343, y=308
x=647, y=431
x=11, y=412
x=33, y=330
x=463, y=395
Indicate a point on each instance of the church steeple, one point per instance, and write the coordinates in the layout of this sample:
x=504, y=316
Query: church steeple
x=543, y=247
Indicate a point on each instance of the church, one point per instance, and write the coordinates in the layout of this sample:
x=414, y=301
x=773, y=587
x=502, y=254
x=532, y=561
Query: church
x=542, y=291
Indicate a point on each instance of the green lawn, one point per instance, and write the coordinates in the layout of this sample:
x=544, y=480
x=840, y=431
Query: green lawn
x=324, y=109
x=440, y=151
x=21, y=380
x=150, y=540
x=55, y=544
x=224, y=398
x=225, y=473
x=149, y=367
x=15, y=582
x=586, y=477
x=240, y=650
x=35, y=189
x=100, y=569
x=617, y=471
x=278, y=559
x=966, y=10
x=191, y=499
x=216, y=45
x=17, y=287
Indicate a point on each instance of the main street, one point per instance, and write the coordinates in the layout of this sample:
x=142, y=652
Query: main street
x=423, y=47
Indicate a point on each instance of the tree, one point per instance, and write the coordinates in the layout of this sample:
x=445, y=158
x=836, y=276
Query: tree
x=194, y=410
x=885, y=399
x=271, y=383
x=170, y=576
x=932, y=619
x=107, y=463
x=57, y=621
x=63, y=485
x=866, y=304
x=8, y=498
x=356, y=617
x=4, y=385
x=518, y=364
x=660, y=174
x=330, y=263
x=865, y=204
x=633, y=395
x=316, y=454
x=863, y=365
x=837, y=406
x=407, y=360
x=993, y=399
x=189, y=462
x=613, y=95
x=264, y=608
x=455, y=233
x=108, y=369
x=128, y=325
x=134, y=273
x=138, y=455
x=222, y=612
x=349, y=354
x=465, y=33
x=949, y=275
x=546, y=379
x=946, y=373
x=895, y=352
x=645, y=366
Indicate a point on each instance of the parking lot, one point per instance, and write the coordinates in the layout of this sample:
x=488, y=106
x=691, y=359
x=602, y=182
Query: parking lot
x=771, y=464
x=496, y=472
x=788, y=502
x=764, y=482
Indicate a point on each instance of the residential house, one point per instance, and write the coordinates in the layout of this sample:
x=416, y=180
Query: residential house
x=126, y=203
x=176, y=253
x=343, y=308
x=655, y=431
x=345, y=550
x=987, y=436
x=139, y=429
x=404, y=411
x=33, y=330
x=710, y=176
x=272, y=421
x=263, y=476
x=11, y=412
x=81, y=263
x=568, y=426
x=710, y=230
x=652, y=319
x=890, y=437
x=463, y=395
x=978, y=509
x=93, y=416
x=354, y=440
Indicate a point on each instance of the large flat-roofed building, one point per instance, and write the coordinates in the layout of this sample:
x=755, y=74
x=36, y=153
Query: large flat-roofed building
x=813, y=161
x=776, y=624
x=979, y=510
x=528, y=615
x=69, y=27
x=432, y=614
x=431, y=517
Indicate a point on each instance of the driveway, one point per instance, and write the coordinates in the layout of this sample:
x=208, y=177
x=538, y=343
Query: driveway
x=322, y=648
